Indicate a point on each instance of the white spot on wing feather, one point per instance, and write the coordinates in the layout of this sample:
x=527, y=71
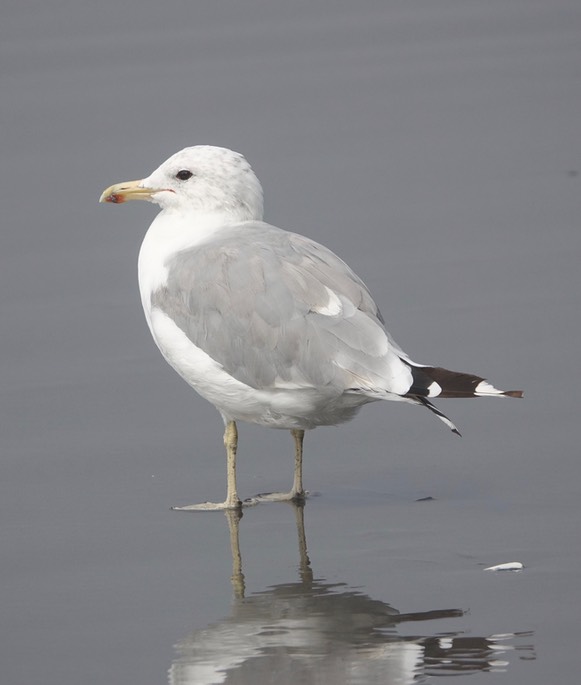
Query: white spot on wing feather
x=434, y=389
x=484, y=388
x=333, y=306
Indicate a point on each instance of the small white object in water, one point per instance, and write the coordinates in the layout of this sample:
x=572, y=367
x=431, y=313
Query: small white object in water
x=508, y=566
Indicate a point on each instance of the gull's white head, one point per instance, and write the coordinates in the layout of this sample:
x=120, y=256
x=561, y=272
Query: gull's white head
x=202, y=178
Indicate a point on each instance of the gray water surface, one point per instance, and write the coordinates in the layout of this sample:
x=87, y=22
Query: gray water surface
x=434, y=145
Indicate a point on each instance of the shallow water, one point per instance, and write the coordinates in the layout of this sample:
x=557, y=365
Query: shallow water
x=433, y=146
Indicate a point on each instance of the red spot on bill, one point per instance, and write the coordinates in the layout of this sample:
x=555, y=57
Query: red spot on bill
x=115, y=198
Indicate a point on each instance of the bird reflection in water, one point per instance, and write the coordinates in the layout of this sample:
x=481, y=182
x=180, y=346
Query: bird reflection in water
x=314, y=632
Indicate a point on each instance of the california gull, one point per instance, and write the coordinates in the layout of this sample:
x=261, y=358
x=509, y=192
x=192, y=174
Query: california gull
x=269, y=326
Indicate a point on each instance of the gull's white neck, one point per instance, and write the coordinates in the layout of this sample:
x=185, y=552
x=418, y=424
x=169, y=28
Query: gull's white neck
x=170, y=232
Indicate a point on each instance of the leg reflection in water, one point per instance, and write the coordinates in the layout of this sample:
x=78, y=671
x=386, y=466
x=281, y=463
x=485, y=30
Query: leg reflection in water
x=311, y=631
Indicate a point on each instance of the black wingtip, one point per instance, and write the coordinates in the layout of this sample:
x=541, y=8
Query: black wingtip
x=438, y=413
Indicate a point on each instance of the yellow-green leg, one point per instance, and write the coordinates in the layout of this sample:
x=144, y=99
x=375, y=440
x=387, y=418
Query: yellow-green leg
x=298, y=491
x=232, y=500
x=297, y=494
x=231, y=445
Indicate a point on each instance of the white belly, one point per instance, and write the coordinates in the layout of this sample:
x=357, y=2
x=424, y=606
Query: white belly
x=277, y=407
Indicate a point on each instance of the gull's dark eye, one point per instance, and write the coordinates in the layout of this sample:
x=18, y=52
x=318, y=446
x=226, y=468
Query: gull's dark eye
x=184, y=174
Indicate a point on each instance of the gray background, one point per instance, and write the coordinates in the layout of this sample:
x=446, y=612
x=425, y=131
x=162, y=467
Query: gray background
x=432, y=144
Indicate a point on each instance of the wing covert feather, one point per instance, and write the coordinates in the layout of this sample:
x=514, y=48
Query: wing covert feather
x=275, y=308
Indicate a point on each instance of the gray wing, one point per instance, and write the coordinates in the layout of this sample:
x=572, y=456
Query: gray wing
x=276, y=309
